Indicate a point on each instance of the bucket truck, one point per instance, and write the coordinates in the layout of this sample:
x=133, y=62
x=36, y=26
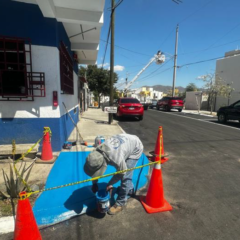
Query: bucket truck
x=159, y=58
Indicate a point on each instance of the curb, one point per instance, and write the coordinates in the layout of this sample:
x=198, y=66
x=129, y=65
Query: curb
x=201, y=114
x=121, y=128
x=6, y=225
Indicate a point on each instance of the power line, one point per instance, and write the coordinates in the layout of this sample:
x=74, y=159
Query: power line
x=167, y=37
x=195, y=11
x=207, y=49
x=156, y=74
x=105, y=51
x=224, y=35
x=156, y=69
x=147, y=77
x=187, y=64
x=150, y=77
x=119, y=2
x=211, y=46
x=127, y=49
x=185, y=19
x=136, y=60
x=207, y=60
x=116, y=5
x=109, y=30
x=177, y=1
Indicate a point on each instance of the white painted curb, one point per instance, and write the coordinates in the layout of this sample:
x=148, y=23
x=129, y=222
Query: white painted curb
x=6, y=225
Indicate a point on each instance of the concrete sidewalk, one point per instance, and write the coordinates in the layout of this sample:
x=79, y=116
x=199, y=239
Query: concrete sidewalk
x=203, y=113
x=92, y=123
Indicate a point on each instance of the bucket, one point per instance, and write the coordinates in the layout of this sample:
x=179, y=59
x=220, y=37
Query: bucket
x=99, y=140
x=103, y=203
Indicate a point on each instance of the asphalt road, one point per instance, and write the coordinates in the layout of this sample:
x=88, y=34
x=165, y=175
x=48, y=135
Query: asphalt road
x=201, y=182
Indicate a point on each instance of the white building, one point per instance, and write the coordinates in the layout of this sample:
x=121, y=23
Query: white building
x=145, y=94
x=228, y=69
x=41, y=44
x=156, y=95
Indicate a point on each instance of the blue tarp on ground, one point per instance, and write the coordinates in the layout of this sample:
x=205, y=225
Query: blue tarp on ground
x=60, y=204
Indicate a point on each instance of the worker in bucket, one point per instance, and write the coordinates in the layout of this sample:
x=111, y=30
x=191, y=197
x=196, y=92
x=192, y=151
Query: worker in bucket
x=121, y=151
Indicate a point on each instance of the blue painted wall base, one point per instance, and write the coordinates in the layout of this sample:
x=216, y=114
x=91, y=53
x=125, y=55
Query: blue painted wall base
x=61, y=204
x=30, y=130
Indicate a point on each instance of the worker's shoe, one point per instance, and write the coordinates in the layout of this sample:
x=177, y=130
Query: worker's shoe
x=115, y=209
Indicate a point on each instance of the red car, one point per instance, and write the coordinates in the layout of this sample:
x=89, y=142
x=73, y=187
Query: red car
x=129, y=107
x=168, y=103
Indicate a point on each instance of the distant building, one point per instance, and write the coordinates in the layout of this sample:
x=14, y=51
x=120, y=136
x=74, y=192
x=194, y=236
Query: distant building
x=145, y=94
x=228, y=69
x=157, y=95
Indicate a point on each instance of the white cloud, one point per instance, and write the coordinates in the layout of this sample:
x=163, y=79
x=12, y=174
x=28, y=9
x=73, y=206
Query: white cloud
x=201, y=77
x=104, y=65
x=118, y=68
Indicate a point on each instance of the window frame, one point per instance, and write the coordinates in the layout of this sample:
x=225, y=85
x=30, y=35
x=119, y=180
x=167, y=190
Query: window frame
x=34, y=82
x=66, y=70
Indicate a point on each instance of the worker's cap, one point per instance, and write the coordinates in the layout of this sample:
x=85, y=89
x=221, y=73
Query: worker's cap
x=95, y=164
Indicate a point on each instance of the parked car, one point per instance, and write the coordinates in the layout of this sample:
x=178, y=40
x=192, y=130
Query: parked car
x=129, y=107
x=168, y=103
x=153, y=104
x=231, y=112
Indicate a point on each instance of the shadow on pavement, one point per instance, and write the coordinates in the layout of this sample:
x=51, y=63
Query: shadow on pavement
x=94, y=119
x=76, y=202
x=82, y=198
x=130, y=119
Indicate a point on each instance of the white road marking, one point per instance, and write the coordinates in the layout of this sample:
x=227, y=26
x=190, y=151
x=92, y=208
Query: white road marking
x=201, y=120
x=121, y=129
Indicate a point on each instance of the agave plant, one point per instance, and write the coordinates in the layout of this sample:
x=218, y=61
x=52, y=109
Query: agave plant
x=13, y=182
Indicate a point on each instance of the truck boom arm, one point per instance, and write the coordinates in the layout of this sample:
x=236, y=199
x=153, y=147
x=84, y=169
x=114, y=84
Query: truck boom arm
x=159, y=58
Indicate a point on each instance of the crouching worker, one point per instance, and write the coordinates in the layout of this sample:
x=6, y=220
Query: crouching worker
x=122, y=152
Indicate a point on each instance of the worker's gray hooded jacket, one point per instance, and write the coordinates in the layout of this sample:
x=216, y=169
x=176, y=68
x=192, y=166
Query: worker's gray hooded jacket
x=118, y=149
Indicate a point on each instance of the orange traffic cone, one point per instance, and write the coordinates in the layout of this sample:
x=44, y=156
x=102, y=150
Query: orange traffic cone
x=25, y=224
x=154, y=201
x=159, y=147
x=163, y=154
x=46, y=146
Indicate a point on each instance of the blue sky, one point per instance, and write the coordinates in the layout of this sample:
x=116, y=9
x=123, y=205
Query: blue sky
x=207, y=29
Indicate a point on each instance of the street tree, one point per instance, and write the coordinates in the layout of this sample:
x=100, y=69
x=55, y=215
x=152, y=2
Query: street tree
x=98, y=80
x=215, y=86
x=191, y=87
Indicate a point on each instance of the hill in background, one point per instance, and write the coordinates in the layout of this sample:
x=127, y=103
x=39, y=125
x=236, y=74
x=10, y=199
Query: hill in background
x=165, y=89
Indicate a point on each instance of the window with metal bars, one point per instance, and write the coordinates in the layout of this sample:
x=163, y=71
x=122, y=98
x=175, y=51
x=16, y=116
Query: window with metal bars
x=66, y=70
x=17, y=81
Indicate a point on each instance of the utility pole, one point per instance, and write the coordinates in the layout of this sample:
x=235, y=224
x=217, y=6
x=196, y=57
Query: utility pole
x=175, y=64
x=126, y=81
x=110, y=115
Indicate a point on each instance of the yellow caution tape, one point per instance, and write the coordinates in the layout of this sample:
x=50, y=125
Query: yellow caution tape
x=24, y=195
x=91, y=179
x=46, y=129
x=29, y=193
x=13, y=147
